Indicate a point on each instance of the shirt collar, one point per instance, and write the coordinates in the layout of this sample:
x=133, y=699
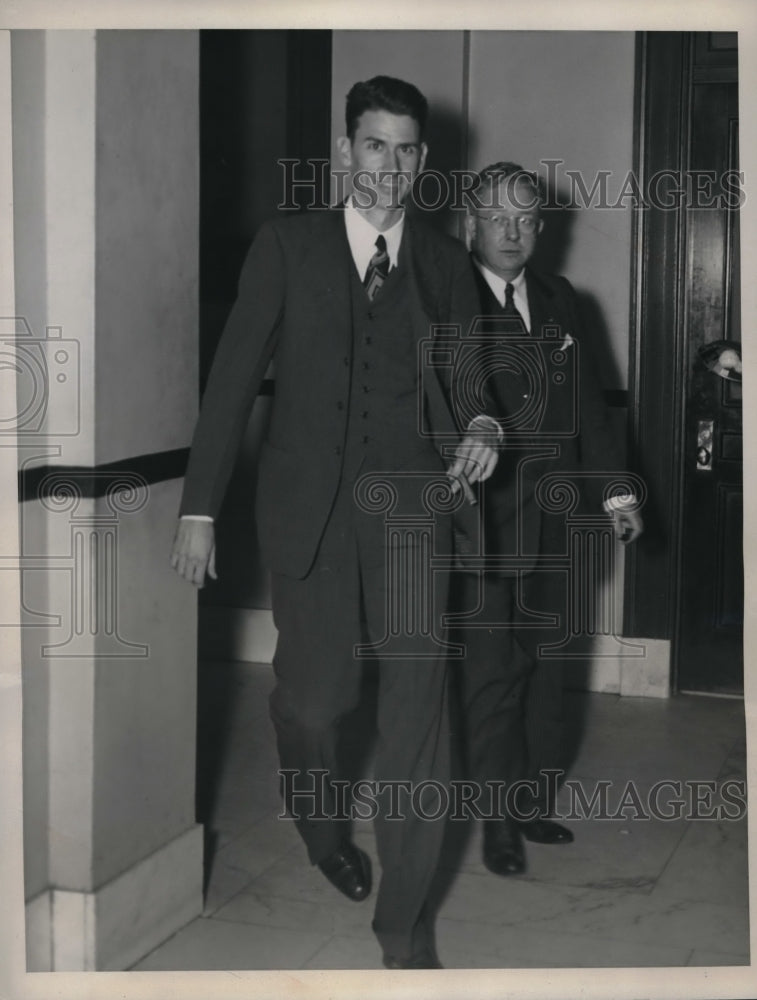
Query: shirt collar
x=361, y=236
x=520, y=290
x=497, y=283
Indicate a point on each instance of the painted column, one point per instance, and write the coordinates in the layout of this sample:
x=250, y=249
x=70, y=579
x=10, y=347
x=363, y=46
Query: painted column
x=107, y=194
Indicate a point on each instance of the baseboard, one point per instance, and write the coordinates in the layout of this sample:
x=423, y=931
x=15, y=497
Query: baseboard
x=634, y=676
x=649, y=677
x=113, y=927
x=237, y=634
x=39, y=933
x=638, y=668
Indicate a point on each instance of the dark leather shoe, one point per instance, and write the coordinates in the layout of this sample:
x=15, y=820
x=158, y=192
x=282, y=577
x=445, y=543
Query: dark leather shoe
x=349, y=869
x=425, y=959
x=503, y=848
x=546, y=831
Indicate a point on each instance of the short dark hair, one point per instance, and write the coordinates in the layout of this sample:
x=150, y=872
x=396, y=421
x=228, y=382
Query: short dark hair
x=385, y=93
x=505, y=170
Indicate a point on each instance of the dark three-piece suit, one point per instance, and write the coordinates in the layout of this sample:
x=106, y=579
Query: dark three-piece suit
x=346, y=404
x=555, y=422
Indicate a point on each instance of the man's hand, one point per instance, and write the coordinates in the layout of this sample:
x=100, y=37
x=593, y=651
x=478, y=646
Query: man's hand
x=628, y=525
x=476, y=457
x=194, y=550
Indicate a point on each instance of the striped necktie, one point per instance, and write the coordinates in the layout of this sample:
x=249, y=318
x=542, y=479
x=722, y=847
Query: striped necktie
x=378, y=269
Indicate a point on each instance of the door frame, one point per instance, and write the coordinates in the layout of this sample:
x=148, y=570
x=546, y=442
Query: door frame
x=658, y=358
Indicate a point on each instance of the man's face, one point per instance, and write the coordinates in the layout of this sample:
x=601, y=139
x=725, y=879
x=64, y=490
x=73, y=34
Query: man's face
x=503, y=234
x=384, y=156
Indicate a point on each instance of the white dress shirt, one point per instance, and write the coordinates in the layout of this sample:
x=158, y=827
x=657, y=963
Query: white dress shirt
x=361, y=236
x=497, y=285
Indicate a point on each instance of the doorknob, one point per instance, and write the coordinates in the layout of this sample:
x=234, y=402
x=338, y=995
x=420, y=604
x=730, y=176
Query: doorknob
x=723, y=357
x=705, y=431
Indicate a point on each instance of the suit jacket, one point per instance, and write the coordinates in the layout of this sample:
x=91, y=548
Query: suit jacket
x=551, y=402
x=294, y=302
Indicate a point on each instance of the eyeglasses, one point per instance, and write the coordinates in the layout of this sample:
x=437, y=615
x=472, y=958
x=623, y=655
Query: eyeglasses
x=524, y=223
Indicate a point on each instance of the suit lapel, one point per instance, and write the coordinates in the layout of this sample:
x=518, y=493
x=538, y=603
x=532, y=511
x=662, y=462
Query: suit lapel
x=424, y=269
x=541, y=303
x=328, y=265
x=489, y=304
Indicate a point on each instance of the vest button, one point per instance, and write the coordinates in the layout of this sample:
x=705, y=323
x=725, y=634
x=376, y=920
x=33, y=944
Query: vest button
x=346, y=360
x=340, y=405
x=365, y=414
x=366, y=389
x=337, y=450
x=369, y=340
x=365, y=440
x=366, y=366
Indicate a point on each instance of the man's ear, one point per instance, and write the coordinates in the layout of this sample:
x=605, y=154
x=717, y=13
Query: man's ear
x=344, y=147
x=424, y=154
x=541, y=226
x=470, y=229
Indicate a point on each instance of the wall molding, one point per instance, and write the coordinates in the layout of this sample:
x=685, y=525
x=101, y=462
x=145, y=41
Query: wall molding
x=246, y=634
x=118, y=924
x=249, y=635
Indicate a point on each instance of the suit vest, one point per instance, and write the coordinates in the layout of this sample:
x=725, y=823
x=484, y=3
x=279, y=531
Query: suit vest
x=382, y=430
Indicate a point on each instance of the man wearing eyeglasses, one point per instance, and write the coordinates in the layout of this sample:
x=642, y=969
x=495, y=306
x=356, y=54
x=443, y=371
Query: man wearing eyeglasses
x=554, y=420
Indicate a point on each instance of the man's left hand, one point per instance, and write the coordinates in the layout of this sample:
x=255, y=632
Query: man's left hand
x=476, y=457
x=628, y=525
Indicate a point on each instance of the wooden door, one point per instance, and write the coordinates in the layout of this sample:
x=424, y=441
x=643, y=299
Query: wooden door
x=708, y=651
x=684, y=579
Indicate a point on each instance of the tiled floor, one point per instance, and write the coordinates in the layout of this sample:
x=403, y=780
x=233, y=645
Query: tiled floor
x=627, y=892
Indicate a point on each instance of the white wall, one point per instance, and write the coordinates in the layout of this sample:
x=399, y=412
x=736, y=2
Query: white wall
x=565, y=95
x=147, y=240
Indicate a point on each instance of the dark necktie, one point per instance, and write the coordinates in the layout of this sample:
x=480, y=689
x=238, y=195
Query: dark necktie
x=510, y=308
x=378, y=269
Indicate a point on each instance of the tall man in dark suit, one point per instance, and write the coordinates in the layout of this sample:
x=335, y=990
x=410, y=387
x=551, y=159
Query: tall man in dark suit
x=555, y=421
x=341, y=299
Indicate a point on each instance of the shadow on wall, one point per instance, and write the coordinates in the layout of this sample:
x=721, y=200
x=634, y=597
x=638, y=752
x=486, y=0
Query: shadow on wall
x=434, y=189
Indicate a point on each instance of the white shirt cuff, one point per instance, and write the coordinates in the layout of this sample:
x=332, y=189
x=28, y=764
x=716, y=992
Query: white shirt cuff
x=196, y=517
x=621, y=502
x=485, y=422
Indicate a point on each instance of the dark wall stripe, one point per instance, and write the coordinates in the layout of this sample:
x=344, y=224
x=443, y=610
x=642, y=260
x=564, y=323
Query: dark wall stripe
x=157, y=467
x=93, y=482
x=96, y=481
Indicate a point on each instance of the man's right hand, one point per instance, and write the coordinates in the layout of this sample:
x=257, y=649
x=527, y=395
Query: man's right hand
x=194, y=550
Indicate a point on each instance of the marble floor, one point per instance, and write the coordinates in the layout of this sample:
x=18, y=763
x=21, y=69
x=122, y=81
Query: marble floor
x=630, y=890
